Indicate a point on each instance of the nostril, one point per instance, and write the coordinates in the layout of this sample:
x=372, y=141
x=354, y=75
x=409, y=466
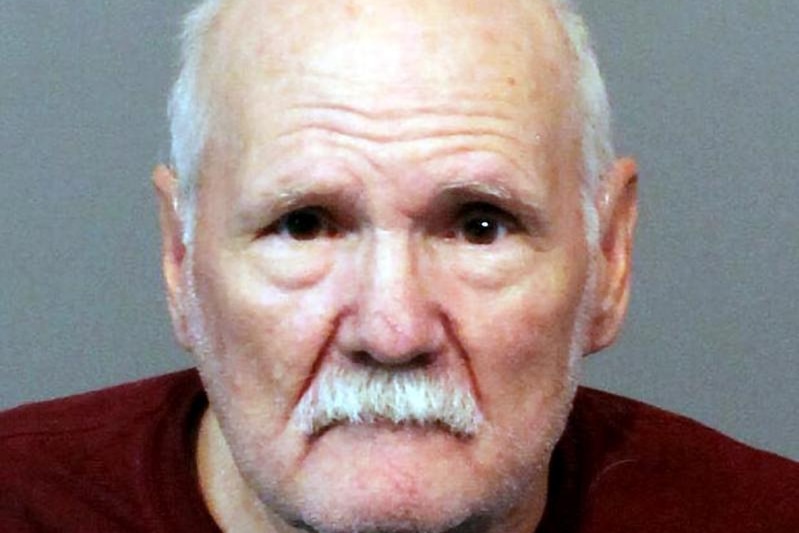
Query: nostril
x=363, y=358
x=420, y=360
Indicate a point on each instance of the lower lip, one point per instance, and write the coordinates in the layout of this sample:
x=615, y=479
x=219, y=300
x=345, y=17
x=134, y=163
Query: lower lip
x=391, y=432
x=395, y=448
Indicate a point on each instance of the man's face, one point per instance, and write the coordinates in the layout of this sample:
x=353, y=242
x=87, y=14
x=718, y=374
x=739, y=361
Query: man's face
x=389, y=187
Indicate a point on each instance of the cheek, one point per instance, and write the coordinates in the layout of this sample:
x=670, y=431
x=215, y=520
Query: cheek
x=518, y=338
x=263, y=339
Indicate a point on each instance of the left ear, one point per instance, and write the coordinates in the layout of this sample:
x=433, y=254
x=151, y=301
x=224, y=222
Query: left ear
x=617, y=207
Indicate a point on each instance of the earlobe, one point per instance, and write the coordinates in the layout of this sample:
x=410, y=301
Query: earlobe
x=173, y=250
x=617, y=205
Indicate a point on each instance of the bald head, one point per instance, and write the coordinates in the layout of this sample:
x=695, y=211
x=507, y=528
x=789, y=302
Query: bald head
x=376, y=42
x=510, y=47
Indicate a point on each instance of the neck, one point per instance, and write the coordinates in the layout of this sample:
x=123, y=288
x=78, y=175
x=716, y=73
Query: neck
x=231, y=502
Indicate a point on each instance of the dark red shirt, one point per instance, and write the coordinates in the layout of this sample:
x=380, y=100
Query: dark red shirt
x=122, y=459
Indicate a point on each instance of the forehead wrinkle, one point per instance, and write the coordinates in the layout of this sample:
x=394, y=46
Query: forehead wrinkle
x=398, y=120
x=256, y=82
x=381, y=110
x=375, y=151
x=385, y=137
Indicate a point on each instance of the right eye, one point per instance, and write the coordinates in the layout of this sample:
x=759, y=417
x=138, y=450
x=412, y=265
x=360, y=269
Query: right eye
x=303, y=224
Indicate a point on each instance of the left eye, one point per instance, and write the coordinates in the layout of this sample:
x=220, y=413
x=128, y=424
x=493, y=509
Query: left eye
x=484, y=224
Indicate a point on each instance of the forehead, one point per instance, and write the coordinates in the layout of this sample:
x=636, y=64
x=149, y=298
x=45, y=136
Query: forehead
x=512, y=49
x=451, y=77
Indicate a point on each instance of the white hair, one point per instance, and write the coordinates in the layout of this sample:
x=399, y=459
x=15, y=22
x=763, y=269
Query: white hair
x=365, y=395
x=593, y=109
x=189, y=111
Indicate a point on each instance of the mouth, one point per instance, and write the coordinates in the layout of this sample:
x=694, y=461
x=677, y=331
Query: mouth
x=384, y=425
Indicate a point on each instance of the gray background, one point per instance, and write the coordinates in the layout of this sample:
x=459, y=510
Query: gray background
x=705, y=95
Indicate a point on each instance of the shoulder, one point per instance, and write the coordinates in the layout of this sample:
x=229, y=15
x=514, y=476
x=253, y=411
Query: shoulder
x=109, y=457
x=664, y=472
x=68, y=422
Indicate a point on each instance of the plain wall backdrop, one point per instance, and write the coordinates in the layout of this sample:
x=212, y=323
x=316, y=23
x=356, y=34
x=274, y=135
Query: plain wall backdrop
x=705, y=95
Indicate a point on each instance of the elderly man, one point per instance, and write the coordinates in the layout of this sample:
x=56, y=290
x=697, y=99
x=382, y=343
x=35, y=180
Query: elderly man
x=391, y=231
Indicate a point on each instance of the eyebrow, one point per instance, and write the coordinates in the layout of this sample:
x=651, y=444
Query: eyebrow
x=251, y=214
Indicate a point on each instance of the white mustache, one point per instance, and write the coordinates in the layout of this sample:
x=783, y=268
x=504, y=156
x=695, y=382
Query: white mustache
x=368, y=395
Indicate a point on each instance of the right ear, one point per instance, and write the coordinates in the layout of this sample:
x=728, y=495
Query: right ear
x=173, y=250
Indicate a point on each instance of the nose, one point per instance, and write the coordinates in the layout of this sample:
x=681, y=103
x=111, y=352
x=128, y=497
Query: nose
x=394, y=321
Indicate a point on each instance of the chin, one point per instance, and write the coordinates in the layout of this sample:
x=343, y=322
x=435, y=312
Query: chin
x=376, y=491
x=403, y=520
x=365, y=481
x=346, y=511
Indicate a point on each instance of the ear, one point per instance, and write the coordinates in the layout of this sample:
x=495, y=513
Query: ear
x=617, y=206
x=173, y=250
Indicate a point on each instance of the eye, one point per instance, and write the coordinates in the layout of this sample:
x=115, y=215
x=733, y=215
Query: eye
x=481, y=230
x=483, y=224
x=303, y=224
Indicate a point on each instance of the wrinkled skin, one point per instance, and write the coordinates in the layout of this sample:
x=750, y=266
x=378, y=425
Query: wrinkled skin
x=382, y=190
